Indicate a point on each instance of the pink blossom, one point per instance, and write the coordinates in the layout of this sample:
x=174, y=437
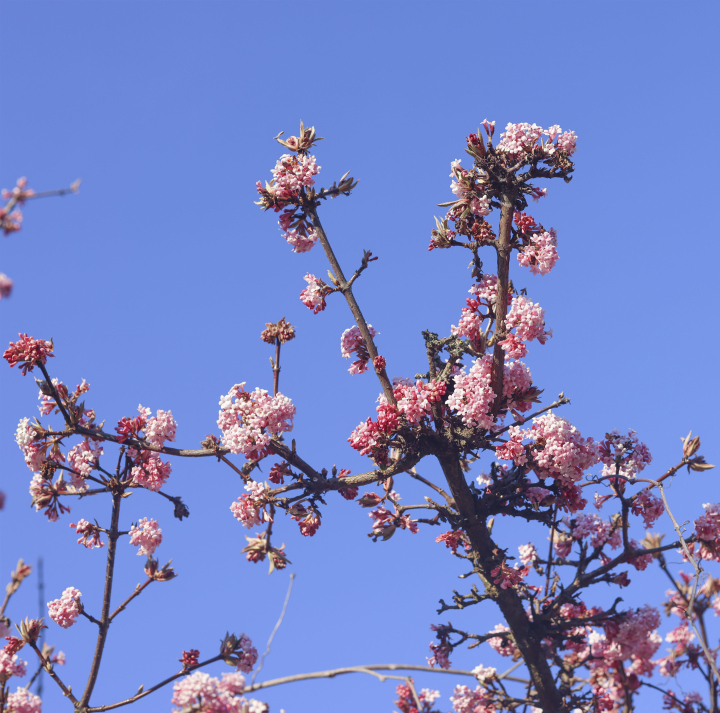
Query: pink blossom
x=504, y=645
x=646, y=504
x=11, y=665
x=313, y=296
x=292, y=173
x=249, y=509
x=541, y=254
x=27, y=439
x=159, y=428
x=146, y=535
x=518, y=138
x=623, y=455
x=508, y=577
x=352, y=342
x=309, y=523
x=83, y=458
x=528, y=553
x=465, y=700
x=89, y=534
x=565, y=454
x=707, y=530
x=28, y=352
x=248, y=420
x=472, y=396
x=568, y=141
x=6, y=285
x=415, y=401
x=22, y=701
x=527, y=319
x=640, y=561
x=149, y=472
x=452, y=539
x=440, y=655
x=19, y=192
x=301, y=238
x=599, y=531
x=65, y=611
x=207, y=694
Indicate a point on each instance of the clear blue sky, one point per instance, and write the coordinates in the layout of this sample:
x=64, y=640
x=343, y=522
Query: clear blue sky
x=156, y=280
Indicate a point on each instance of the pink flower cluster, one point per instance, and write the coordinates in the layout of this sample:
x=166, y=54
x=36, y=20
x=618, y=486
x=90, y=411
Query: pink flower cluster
x=206, y=694
x=6, y=285
x=149, y=471
x=406, y=701
x=623, y=455
x=146, y=535
x=504, y=645
x=89, y=534
x=508, y=577
x=20, y=193
x=528, y=320
x=351, y=342
x=313, y=296
x=158, y=428
x=22, y=701
x=521, y=138
x=83, y=458
x=469, y=194
x=309, y=523
x=472, y=397
x=302, y=238
x=414, y=401
x=453, y=539
x=10, y=663
x=707, y=530
x=600, y=532
x=386, y=522
x=541, y=254
x=561, y=452
x=249, y=509
x=27, y=439
x=28, y=352
x=471, y=318
x=528, y=553
x=646, y=504
x=465, y=700
x=248, y=420
x=292, y=173
x=65, y=611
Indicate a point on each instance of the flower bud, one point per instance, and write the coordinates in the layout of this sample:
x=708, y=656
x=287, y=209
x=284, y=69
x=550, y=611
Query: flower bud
x=30, y=629
x=370, y=500
x=690, y=445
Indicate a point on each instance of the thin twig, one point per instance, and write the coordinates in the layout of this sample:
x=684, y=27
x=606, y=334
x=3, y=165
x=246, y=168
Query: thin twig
x=275, y=630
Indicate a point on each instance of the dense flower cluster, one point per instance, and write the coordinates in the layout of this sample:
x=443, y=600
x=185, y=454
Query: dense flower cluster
x=623, y=455
x=65, y=611
x=406, y=701
x=248, y=420
x=206, y=694
x=707, y=530
x=249, y=509
x=352, y=342
x=528, y=321
x=292, y=173
x=27, y=352
x=11, y=664
x=6, y=285
x=313, y=296
x=281, y=330
x=518, y=139
x=83, y=459
x=146, y=535
x=149, y=471
x=472, y=397
x=22, y=701
x=540, y=255
x=89, y=534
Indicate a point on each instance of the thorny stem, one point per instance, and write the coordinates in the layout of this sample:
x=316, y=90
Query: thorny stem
x=105, y=618
x=346, y=289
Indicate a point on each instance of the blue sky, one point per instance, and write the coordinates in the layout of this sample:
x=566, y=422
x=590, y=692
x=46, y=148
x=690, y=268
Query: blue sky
x=157, y=278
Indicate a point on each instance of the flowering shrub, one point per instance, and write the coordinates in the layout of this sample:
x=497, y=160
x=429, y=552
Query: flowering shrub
x=471, y=401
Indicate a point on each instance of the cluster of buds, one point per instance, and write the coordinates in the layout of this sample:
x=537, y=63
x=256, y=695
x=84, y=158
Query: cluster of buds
x=28, y=352
x=11, y=218
x=20, y=572
x=280, y=331
x=30, y=629
x=690, y=448
x=189, y=659
x=157, y=573
x=238, y=652
x=302, y=143
x=258, y=548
